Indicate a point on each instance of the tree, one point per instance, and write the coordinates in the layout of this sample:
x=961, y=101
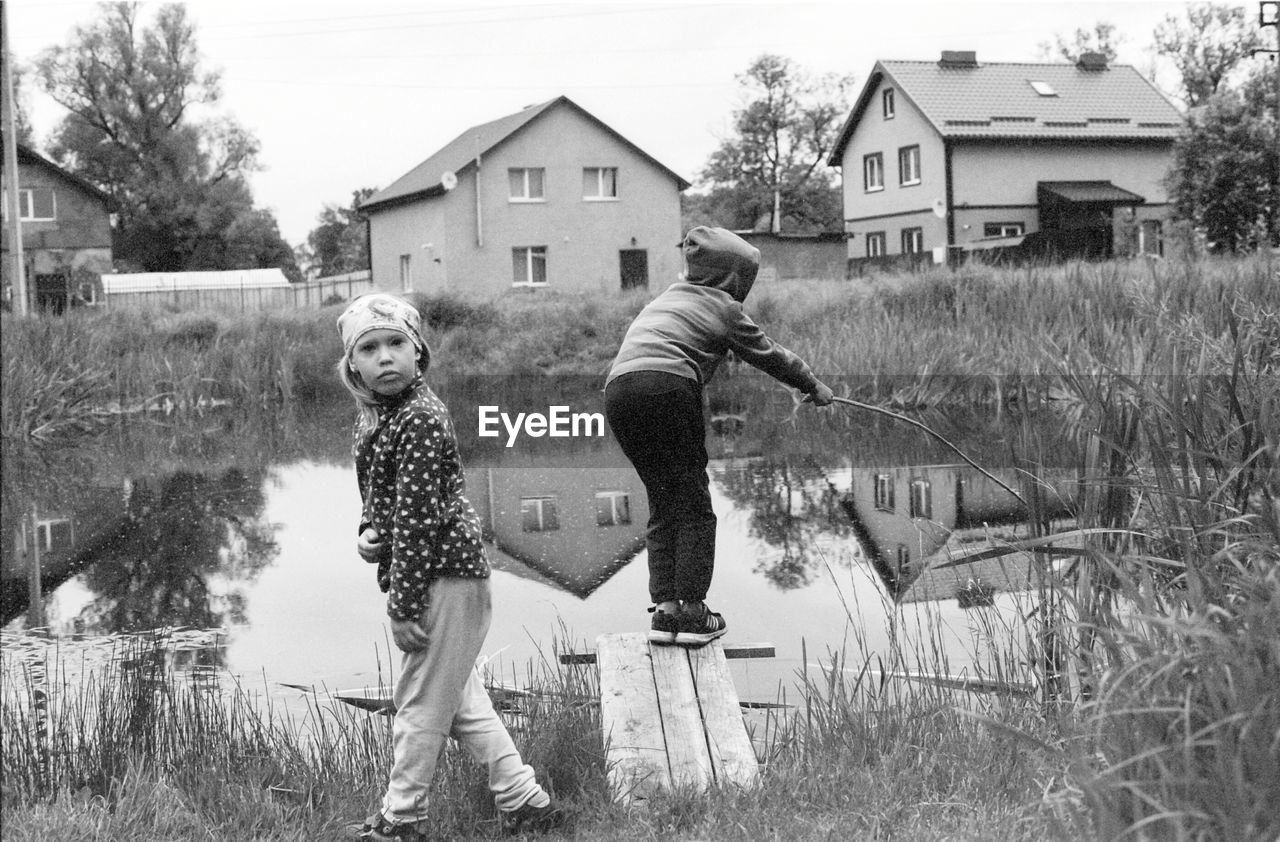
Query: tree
x=1224, y=179
x=340, y=242
x=1101, y=39
x=176, y=183
x=1207, y=47
x=773, y=167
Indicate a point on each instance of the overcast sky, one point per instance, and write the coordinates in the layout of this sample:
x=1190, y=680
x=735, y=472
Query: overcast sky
x=348, y=95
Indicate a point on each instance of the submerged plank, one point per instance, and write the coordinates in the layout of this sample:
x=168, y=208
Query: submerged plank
x=630, y=717
x=732, y=651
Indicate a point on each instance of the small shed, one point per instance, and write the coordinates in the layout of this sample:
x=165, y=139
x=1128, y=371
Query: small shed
x=237, y=289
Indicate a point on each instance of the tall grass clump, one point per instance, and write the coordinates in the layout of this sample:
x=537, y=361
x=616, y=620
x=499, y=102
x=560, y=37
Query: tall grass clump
x=54, y=379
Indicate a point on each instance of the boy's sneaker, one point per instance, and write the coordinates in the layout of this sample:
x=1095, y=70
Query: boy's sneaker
x=531, y=819
x=378, y=829
x=663, y=627
x=699, y=626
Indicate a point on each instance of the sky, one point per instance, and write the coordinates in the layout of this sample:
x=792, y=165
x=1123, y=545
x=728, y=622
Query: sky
x=348, y=95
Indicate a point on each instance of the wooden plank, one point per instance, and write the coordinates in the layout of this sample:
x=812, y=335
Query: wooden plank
x=732, y=755
x=687, y=750
x=732, y=651
x=630, y=717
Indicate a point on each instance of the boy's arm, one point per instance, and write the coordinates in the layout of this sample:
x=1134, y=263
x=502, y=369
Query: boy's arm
x=417, y=515
x=749, y=342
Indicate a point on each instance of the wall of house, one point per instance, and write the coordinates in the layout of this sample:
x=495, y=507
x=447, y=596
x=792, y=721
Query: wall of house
x=896, y=206
x=582, y=238
x=75, y=244
x=416, y=230
x=996, y=182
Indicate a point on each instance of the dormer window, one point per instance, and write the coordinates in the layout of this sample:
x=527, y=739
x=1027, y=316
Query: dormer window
x=886, y=100
x=1042, y=88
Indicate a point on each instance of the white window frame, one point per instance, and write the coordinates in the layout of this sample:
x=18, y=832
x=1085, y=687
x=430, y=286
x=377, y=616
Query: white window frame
x=525, y=193
x=921, y=505
x=602, y=183
x=882, y=492
x=873, y=164
x=887, y=103
x=547, y=510
x=881, y=244
x=1145, y=246
x=912, y=240
x=406, y=272
x=1006, y=229
x=908, y=166
x=27, y=205
x=531, y=255
x=618, y=512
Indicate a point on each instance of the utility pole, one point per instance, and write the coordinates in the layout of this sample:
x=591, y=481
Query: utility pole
x=1269, y=15
x=18, y=276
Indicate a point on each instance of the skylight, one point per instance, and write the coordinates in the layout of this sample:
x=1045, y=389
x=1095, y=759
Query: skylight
x=1042, y=88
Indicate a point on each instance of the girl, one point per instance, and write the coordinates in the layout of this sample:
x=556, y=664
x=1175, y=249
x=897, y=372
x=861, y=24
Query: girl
x=425, y=538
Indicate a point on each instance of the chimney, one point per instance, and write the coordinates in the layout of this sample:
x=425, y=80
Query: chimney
x=958, y=58
x=1092, y=61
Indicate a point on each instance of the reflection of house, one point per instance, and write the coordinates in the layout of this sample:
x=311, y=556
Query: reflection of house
x=957, y=153
x=548, y=197
x=576, y=526
x=66, y=234
x=913, y=519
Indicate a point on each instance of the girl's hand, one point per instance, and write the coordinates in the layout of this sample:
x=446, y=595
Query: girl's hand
x=408, y=635
x=821, y=395
x=369, y=545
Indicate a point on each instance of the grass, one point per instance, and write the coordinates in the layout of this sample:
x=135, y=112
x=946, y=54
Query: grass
x=1156, y=653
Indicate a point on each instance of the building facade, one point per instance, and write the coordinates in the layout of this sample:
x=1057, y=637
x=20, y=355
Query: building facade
x=961, y=156
x=547, y=198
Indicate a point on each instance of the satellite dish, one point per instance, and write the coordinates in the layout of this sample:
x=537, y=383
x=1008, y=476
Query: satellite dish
x=448, y=180
x=939, y=208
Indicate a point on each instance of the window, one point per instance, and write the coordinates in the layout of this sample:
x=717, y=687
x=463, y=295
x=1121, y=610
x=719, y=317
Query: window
x=873, y=172
x=529, y=266
x=921, y=499
x=55, y=535
x=875, y=244
x=909, y=165
x=1042, y=88
x=1002, y=229
x=35, y=204
x=884, y=492
x=1150, y=237
x=526, y=184
x=613, y=508
x=600, y=183
x=538, y=514
x=904, y=558
x=406, y=272
x=886, y=100
x=912, y=240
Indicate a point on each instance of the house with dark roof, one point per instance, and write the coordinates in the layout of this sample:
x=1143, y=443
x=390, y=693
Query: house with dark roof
x=66, y=235
x=547, y=198
x=959, y=155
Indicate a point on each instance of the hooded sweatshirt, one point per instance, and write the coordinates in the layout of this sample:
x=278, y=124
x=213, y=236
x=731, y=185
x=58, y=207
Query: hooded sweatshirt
x=693, y=324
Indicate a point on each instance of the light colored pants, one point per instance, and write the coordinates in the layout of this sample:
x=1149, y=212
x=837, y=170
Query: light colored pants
x=440, y=694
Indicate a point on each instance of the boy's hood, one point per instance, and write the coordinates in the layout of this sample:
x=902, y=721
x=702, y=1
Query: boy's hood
x=721, y=259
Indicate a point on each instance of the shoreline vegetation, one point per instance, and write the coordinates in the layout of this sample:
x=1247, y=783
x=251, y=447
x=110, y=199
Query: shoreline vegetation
x=1154, y=655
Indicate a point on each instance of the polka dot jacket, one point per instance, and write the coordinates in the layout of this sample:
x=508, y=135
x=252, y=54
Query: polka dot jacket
x=412, y=485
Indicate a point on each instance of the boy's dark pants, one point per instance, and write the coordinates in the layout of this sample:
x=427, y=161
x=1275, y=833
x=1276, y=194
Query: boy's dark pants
x=657, y=418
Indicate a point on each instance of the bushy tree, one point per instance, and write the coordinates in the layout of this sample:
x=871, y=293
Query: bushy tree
x=772, y=171
x=340, y=241
x=1103, y=39
x=1206, y=47
x=178, y=184
x=1224, y=177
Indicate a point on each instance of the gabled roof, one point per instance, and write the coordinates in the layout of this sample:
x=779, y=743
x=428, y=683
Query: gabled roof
x=997, y=100
x=27, y=155
x=459, y=155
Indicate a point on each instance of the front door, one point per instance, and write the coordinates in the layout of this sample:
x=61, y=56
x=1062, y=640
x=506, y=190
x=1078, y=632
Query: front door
x=635, y=268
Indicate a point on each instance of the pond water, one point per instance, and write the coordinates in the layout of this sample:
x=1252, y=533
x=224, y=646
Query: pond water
x=833, y=525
